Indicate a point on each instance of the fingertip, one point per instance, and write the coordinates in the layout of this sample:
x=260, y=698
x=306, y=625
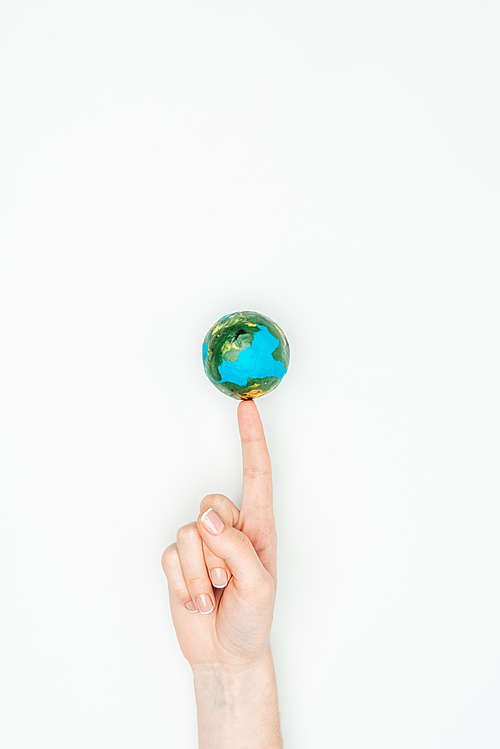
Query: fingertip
x=247, y=405
x=249, y=421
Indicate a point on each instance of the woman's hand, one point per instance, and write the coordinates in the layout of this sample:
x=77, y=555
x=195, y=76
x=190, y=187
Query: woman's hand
x=223, y=624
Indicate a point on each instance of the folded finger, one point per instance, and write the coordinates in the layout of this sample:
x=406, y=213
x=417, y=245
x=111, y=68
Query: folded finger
x=251, y=578
x=194, y=569
x=218, y=570
x=171, y=565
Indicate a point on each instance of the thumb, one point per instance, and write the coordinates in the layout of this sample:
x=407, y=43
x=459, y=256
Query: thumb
x=236, y=549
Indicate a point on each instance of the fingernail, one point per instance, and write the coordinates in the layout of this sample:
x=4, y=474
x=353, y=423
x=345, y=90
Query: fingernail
x=191, y=606
x=219, y=577
x=204, y=603
x=212, y=522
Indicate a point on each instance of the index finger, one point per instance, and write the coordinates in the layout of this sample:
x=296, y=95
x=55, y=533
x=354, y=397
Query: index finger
x=257, y=476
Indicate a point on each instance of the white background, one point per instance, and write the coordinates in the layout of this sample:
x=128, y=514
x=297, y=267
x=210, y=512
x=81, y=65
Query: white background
x=334, y=165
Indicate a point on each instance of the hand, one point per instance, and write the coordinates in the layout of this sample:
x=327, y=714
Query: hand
x=228, y=625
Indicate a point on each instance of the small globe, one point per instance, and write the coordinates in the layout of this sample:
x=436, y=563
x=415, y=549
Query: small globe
x=245, y=355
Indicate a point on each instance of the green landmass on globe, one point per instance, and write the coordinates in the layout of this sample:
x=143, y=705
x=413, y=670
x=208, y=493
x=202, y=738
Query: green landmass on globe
x=245, y=355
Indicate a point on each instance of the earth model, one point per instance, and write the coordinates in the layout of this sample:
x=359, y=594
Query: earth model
x=245, y=355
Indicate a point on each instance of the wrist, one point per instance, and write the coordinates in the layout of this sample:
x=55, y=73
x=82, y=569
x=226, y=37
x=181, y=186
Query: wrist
x=236, y=667
x=237, y=706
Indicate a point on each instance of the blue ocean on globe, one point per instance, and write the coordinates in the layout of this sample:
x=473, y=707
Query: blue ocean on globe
x=254, y=361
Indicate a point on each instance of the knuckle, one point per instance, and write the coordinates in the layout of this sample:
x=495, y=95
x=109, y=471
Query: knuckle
x=264, y=588
x=221, y=504
x=187, y=532
x=212, y=495
x=168, y=556
x=214, y=500
x=254, y=440
x=255, y=473
x=179, y=593
x=198, y=583
x=240, y=543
